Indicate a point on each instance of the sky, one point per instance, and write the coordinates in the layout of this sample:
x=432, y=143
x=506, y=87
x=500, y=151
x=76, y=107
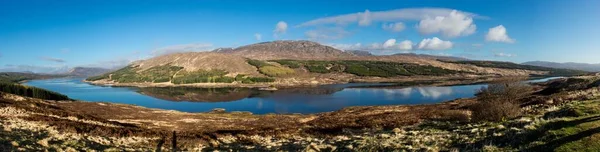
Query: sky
x=53, y=36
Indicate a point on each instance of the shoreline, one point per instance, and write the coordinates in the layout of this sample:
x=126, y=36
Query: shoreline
x=411, y=81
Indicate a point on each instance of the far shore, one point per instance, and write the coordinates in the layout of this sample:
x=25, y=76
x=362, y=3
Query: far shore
x=403, y=81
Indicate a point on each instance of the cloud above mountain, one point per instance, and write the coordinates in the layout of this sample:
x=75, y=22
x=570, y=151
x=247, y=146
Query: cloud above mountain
x=498, y=34
x=280, y=28
x=434, y=44
x=453, y=25
x=367, y=17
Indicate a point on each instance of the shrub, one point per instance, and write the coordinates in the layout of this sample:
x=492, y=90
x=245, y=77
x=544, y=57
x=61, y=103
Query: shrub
x=317, y=68
x=258, y=63
x=289, y=63
x=495, y=111
x=500, y=101
x=274, y=71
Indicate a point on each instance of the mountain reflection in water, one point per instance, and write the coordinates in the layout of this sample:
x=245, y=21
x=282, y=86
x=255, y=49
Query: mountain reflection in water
x=291, y=100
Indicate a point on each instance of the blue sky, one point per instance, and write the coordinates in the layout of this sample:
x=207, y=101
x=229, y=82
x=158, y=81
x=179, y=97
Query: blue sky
x=49, y=36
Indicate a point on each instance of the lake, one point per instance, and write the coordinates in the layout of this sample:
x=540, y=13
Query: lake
x=295, y=100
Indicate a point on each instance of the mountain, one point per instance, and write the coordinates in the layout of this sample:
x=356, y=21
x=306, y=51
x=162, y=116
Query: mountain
x=290, y=63
x=305, y=50
x=568, y=65
x=359, y=52
x=15, y=77
x=87, y=71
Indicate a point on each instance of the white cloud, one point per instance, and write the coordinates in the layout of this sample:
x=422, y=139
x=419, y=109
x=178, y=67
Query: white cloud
x=498, y=34
x=405, y=45
x=394, y=27
x=364, y=19
x=194, y=47
x=504, y=55
x=434, y=44
x=280, y=28
x=326, y=33
x=389, y=43
x=451, y=25
x=258, y=36
x=367, y=17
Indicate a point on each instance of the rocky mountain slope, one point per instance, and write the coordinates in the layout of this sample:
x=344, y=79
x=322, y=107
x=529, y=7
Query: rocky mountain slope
x=303, y=50
x=568, y=65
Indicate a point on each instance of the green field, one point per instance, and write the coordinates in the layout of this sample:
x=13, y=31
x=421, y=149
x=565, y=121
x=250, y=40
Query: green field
x=367, y=68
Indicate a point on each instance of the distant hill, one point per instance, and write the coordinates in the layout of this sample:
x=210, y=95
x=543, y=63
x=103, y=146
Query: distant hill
x=15, y=77
x=287, y=50
x=87, y=71
x=359, y=52
x=568, y=65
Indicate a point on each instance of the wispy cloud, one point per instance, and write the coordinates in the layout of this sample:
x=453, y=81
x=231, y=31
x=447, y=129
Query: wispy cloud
x=46, y=58
x=280, y=28
x=326, y=33
x=258, y=36
x=367, y=17
x=193, y=47
x=507, y=55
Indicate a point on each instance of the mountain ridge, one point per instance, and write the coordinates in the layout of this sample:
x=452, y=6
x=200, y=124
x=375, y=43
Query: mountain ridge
x=566, y=65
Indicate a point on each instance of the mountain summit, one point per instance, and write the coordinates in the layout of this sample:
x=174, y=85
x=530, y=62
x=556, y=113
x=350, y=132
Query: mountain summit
x=287, y=50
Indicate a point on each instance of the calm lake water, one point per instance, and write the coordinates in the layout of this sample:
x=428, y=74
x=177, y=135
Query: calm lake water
x=298, y=100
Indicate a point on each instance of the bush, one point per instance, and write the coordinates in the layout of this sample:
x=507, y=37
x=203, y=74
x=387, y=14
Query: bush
x=274, y=71
x=289, y=63
x=500, y=101
x=495, y=111
x=258, y=63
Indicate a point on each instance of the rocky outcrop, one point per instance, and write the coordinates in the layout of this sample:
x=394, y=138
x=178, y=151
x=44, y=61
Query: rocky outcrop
x=303, y=50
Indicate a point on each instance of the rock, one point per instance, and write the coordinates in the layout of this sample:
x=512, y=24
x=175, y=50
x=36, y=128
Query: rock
x=218, y=110
x=524, y=119
x=530, y=127
x=398, y=131
x=349, y=147
x=515, y=129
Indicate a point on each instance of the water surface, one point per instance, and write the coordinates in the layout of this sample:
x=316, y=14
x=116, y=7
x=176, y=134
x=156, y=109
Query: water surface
x=297, y=100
